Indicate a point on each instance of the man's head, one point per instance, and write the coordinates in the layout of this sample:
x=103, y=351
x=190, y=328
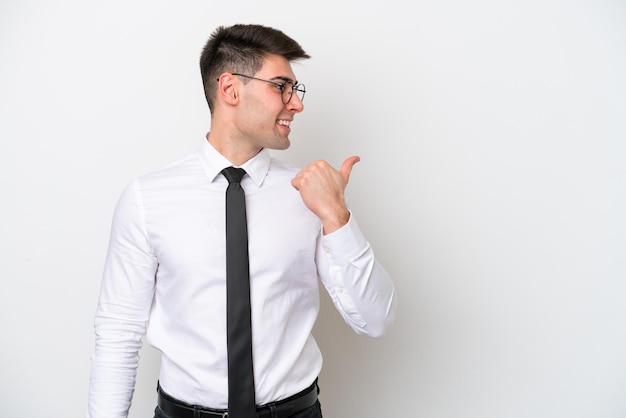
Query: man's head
x=242, y=49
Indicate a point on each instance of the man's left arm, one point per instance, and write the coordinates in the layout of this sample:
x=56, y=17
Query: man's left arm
x=359, y=286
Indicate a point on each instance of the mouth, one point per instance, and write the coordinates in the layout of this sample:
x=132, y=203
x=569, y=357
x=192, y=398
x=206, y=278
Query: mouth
x=284, y=122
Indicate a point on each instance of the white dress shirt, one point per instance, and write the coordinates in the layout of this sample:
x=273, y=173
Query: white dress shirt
x=165, y=274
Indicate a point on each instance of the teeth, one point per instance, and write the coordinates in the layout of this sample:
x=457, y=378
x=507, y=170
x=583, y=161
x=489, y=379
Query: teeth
x=284, y=122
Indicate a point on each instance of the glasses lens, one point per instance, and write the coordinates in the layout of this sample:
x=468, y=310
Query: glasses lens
x=289, y=89
x=300, y=90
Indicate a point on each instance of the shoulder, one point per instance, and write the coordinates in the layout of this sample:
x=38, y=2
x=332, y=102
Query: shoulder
x=180, y=170
x=278, y=167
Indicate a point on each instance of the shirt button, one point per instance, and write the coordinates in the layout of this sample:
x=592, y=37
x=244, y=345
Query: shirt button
x=326, y=250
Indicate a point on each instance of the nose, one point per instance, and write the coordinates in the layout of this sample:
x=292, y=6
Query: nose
x=295, y=104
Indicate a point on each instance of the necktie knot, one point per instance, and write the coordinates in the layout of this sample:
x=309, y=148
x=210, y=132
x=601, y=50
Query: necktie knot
x=233, y=174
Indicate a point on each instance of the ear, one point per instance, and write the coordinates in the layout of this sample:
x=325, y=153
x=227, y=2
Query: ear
x=228, y=88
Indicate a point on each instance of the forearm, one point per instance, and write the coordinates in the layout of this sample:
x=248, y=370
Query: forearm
x=359, y=286
x=114, y=367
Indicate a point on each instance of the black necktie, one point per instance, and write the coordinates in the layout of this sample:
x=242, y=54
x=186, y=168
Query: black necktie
x=241, y=402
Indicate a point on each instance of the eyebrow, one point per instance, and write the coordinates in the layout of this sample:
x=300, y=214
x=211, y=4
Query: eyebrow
x=285, y=79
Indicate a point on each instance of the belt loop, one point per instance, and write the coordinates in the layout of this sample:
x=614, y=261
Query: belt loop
x=273, y=413
x=196, y=412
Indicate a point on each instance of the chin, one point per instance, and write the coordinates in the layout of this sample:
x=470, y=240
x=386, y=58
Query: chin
x=283, y=145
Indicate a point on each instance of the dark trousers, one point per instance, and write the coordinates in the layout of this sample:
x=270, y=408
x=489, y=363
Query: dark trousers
x=314, y=411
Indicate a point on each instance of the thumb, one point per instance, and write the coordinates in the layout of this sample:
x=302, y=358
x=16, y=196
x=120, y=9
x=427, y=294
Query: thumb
x=346, y=167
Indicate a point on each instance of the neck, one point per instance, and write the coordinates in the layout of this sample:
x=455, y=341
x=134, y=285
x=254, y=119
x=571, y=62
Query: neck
x=236, y=151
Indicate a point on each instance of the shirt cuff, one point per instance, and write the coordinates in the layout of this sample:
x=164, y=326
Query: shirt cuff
x=344, y=244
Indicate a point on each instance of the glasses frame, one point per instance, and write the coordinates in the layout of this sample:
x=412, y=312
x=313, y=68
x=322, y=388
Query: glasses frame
x=298, y=87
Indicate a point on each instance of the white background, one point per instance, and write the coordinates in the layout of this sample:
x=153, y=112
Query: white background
x=492, y=187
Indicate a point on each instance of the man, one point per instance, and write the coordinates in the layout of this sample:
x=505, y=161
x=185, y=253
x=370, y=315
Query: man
x=167, y=260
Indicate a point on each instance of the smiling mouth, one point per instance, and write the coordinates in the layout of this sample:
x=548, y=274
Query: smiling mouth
x=284, y=122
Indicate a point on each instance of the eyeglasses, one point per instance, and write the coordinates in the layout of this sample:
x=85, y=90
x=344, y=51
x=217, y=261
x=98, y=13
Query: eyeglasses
x=287, y=88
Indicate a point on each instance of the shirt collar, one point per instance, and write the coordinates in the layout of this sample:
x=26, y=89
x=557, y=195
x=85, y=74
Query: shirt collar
x=213, y=163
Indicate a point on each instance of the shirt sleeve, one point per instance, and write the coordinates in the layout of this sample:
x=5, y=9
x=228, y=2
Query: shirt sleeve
x=123, y=309
x=358, y=285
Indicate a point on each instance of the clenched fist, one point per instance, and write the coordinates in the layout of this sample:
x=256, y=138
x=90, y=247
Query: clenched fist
x=322, y=190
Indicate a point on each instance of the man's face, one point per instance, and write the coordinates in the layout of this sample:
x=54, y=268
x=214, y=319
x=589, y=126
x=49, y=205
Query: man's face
x=264, y=120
